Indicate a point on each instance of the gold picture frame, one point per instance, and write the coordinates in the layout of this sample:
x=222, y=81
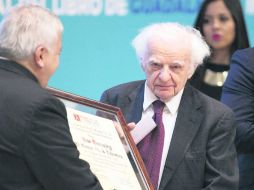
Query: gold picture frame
x=100, y=132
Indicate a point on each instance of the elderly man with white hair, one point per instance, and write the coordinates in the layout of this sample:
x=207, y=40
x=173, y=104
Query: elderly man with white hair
x=192, y=145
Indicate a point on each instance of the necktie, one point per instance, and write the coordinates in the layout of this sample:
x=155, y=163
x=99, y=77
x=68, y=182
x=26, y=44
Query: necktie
x=151, y=146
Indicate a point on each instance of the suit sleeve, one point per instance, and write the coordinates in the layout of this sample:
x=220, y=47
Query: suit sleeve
x=105, y=98
x=238, y=94
x=221, y=171
x=51, y=153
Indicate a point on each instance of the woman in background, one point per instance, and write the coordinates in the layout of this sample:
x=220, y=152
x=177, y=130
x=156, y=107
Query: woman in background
x=222, y=24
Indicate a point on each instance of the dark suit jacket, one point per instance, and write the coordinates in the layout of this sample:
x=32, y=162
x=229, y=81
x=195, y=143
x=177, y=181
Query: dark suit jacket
x=36, y=148
x=238, y=93
x=202, y=152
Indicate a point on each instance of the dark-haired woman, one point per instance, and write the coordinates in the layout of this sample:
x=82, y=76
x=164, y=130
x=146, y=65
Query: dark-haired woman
x=222, y=24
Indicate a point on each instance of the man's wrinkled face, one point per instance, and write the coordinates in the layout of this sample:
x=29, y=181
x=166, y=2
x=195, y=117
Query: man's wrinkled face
x=167, y=68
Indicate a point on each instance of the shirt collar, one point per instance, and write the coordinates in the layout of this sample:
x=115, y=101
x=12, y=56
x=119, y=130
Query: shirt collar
x=172, y=104
x=4, y=58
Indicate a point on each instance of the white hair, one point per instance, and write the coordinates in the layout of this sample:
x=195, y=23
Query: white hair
x=173, y=33
x=26, y=27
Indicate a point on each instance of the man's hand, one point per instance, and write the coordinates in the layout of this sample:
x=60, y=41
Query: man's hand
x=130, y=127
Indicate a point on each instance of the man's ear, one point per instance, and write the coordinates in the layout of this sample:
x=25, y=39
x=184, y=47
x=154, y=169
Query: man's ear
x=39, y=56
x=142, y=66
x=191, y=70
x=142, y=63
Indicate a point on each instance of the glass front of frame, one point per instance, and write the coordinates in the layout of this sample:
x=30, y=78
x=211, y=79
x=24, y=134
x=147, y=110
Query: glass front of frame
x=103, y=140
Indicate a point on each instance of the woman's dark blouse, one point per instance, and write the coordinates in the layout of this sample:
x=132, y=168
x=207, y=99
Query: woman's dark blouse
x=198, y=82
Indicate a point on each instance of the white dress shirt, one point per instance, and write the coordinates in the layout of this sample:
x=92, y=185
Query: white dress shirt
x=169, y=118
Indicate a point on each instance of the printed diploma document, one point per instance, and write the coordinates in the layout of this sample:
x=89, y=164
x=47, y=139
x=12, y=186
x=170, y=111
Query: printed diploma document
x=99, y=144
x=101, y=135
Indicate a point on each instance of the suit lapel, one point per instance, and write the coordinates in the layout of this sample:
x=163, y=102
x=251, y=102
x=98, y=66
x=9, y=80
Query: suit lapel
x=187, y=124
x=136, y=99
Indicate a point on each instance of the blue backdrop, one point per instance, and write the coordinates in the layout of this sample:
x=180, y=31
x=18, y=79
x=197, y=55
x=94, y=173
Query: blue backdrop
x=97, y=52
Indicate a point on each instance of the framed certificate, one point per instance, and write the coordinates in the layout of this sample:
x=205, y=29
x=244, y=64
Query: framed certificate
x=104, y=141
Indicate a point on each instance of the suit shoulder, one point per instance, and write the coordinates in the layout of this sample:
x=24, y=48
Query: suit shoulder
x=121, y=93
x=125, y=88
x=245, y=51
x=245, y=55
x=211, y=104
x=29, y=95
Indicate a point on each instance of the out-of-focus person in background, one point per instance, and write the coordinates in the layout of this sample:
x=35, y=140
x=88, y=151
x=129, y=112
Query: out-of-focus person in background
x=222, y=24
x=238, y=94
x=192, y=146
x=36, y=148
